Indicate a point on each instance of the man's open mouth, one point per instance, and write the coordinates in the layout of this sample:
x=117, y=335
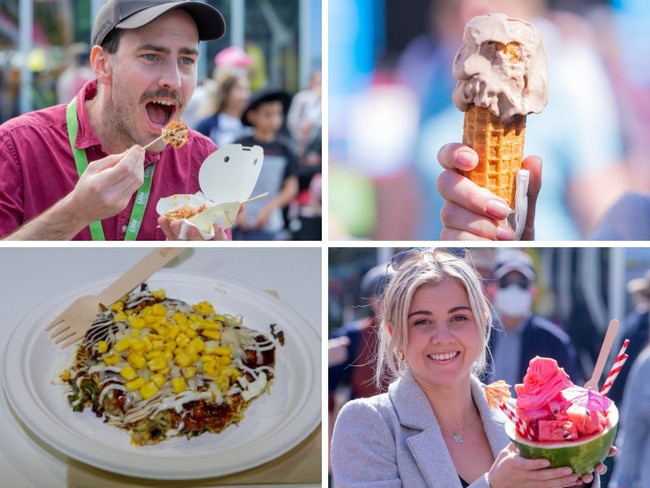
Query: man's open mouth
x=160, y=112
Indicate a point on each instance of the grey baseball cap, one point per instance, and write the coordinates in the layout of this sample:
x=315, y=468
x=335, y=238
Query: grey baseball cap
x=514, y=260
x=131, y=14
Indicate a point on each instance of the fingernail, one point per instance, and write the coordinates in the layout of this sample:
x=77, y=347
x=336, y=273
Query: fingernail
x=505, y=233
x=467, y=159
x=497, y=208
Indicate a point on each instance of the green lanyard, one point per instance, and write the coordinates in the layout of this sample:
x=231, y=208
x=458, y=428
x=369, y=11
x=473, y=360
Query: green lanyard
x=81, y=162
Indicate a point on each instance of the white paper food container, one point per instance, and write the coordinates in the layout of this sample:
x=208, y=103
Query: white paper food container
x=228, y=175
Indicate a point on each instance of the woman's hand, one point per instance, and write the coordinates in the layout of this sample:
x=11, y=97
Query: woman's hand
x=600, y=467
x=510, y=469
x=471, y=212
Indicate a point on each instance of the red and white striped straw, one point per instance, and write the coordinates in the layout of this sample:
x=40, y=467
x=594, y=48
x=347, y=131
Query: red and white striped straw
x=616, y=368
x=521, y=426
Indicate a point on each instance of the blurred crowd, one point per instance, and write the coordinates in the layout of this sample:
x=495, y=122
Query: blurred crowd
x=391, y=111
x=552, y=302
x=221, y=108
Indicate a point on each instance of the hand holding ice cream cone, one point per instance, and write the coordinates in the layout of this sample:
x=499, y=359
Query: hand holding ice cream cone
x=474, y=213
x=501, y=73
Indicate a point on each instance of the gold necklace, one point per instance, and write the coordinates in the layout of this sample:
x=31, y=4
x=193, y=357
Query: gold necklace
x=456, y=434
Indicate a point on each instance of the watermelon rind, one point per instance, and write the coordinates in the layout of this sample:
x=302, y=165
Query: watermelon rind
x=582, y=456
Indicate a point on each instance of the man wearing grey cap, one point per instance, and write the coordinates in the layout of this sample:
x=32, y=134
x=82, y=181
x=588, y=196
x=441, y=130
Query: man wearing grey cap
x=80, y=172
x=524, y=335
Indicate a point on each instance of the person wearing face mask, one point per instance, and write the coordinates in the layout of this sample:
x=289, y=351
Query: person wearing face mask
x=523, y=334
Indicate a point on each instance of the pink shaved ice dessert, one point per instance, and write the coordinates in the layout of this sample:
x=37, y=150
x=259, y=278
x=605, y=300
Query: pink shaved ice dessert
x=547, y=411
x=568, y=425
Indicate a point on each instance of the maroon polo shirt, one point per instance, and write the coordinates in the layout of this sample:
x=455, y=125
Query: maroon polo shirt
x=37, y=169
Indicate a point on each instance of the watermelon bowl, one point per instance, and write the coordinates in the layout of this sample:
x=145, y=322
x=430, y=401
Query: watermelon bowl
x=582, y=455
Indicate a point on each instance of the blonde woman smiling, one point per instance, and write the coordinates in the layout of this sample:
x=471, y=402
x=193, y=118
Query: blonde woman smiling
x=433, y=428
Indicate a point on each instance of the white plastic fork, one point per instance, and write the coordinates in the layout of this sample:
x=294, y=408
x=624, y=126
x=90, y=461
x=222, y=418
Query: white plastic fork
x=71, y=324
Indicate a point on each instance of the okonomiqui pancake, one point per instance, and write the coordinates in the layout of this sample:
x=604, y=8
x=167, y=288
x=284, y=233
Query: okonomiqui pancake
x=502, y=77
x=159, y=368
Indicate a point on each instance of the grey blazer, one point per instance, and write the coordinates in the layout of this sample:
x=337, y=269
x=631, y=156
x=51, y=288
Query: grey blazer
x=394, y=440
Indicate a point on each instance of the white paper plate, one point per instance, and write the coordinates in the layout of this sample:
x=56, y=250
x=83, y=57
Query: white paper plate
x=272, y=425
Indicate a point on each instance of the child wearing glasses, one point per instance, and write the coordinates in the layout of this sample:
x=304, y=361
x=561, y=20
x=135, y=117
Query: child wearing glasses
x=433, y=428
x=524, y=335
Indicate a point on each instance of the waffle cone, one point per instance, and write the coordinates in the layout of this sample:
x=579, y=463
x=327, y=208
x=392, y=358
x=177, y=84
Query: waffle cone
x=500, y=148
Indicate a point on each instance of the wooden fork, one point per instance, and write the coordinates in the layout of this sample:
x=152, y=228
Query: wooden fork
x=72, y=324
x=608, y=342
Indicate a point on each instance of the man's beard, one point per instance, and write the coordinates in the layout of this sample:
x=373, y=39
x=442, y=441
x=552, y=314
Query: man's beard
x=123, y=131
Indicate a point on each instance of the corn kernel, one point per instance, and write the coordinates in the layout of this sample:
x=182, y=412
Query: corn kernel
x=122, y=345
x=204, y=307
x=208, y=325
x=136, y=360
x=173, y=332
x=196, y=345
x=189, y=371
x=212, y=368
x=158, y=345
x=159, y=309
x=222, y=351
x=158, y=379
x=158, y=294
x=183, y=359
x=157, y=364
x=154, y=354
x=182, y=339
x=65, y=376
x=212, y=334
x=128, y=373
x=139, y=345
x=119, y=305
x=120, y=316
x=179, y=385
x=225, y=360
x=134, y=384
x=147, y=343
x=148, y=390
x=233, y=373
x=111, y=359
x=137, y=322
x=222, y=382
x=102, y=347
x=179, y=318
